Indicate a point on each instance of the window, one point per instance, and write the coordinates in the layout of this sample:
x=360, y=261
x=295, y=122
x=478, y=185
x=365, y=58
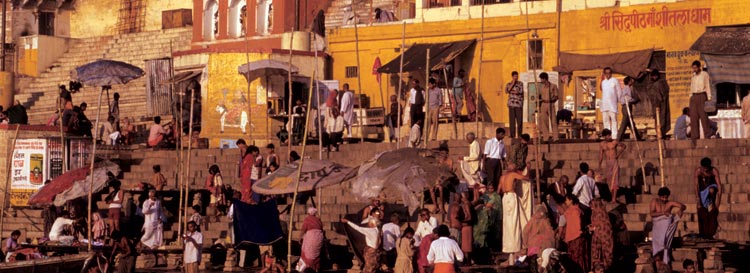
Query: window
x=442, y=3
x=211, y=20
x=729, y=95
x=352, y=72
x=536, y=52
x=236, y=21
x=489, y=2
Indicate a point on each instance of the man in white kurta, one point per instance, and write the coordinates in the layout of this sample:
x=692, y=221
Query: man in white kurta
x=347, y=109
x=470, y=164
x=152, y=225
x=610, y=94
x=514, y=216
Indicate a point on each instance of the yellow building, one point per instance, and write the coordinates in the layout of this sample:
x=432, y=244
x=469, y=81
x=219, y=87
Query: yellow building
x=515, y=33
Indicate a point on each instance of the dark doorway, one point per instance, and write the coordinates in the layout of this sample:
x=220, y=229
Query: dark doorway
x=47, y=23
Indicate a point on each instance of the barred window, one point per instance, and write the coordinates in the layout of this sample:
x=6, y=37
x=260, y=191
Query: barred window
x=352, y=72
x=536, y=54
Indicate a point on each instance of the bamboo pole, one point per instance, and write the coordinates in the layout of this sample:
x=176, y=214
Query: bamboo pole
x=450, y=95
x=479, y=75
x=62, y=134
x=637, y=146
x=189, y=156
x=320, y=99
x=296, y=184
x=9, y=164
x=661, y=146
x=289, y=99
x=426, y=128
x=249, y=102
x=363, y=111
x=91, y=171
x=177, y=127
x=399, y=119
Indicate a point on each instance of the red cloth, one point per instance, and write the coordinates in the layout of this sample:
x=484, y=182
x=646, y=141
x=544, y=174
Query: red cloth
x=424, y=249
x=63, y=182
x=245, y=173
x=331, y=101
x=444, y=268
x=312, y=241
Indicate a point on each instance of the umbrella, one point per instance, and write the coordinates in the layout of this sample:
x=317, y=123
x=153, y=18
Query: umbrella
x=63, y=184
x=405, y=172
x=315, y=174
x=265, y=68
x=106, y=73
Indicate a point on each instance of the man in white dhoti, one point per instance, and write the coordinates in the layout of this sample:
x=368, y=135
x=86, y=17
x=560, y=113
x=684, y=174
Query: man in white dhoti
x=347, y=109
x=514, y=216
x=470, y=164
x=664, y=222
x=152, y=224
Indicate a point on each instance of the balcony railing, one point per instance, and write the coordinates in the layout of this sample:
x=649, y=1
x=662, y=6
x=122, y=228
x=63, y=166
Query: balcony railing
x=490, y=2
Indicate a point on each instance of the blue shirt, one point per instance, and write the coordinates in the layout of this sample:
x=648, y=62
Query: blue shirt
x=680, y=128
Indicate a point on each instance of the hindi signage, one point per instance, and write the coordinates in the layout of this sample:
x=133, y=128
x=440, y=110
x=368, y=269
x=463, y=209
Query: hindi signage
x=28, y=169
x=619, y=21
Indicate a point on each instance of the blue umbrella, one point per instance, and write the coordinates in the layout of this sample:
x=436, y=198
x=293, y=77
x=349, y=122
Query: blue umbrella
x=103, y=73
x=106, y=73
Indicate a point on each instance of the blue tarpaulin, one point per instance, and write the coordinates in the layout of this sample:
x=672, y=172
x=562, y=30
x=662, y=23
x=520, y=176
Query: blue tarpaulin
x=256, y=224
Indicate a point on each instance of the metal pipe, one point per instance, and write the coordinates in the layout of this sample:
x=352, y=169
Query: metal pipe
x=400, y=86
x=360, y=117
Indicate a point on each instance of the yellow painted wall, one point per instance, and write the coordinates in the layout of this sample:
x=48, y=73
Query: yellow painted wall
x=580, y=30
x=99, y=17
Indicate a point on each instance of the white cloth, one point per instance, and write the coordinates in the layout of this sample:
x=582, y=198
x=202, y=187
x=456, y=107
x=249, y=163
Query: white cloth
x=58, y=227
x=152, y=225
x=413, y=95
x=391, y=232
x=610, y=95
x=415, y=136
x=444, y=250
x=512, y=226
x=626, y=95
x=546, y=255
x=586, y=190
x=192, y=253
x=609, y=119
x=335, y=125
x=701, y=83
x=662, y=235
x=347, y=107
x=495, y=149
x=424, y=228
x=115, y=204
x=470, y=164
x=371, y=234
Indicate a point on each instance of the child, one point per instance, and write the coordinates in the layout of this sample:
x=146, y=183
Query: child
x=405, y=250
x=193, y=247
x=158, y=179
x=689, y=266
x=272, y=158
x=196, y=217
x=270, y=265
x=215, y=184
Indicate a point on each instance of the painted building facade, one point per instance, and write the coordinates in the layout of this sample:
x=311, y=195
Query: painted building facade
x=521, y=36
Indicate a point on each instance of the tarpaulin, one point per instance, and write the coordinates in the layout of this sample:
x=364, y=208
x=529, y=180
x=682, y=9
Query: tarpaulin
x=256, y=224
x=415, y=58
x=315, y=174
x=626, y=63
x=74, y=184
x=724, y=40
x=357, y=242
x=405, y=173
x=728, y=68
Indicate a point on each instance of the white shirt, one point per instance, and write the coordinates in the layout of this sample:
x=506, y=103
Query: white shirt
x=151, y=214
x=610, y=95
x=347, y=102
x=57, y=228
x=391, y=232
x=494, y=148
x=626, y=95
x=585, y=189
x=701, y=83
x=192, y=253
x=444, y=250
x=415, y=135
x=413, y=95
x=424, y=228
x=371, y=234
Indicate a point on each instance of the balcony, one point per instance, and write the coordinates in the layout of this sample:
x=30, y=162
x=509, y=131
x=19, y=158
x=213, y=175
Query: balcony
x=443, y=3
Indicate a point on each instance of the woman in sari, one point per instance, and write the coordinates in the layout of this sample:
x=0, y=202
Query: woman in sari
x=601, y=239
x=312, y=241
x=572, y=226
x=488, y=208
x=248, y=160
x=538, y=234
x=405, y=250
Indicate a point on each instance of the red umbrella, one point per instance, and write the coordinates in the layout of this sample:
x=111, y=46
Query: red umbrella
x=47, y=193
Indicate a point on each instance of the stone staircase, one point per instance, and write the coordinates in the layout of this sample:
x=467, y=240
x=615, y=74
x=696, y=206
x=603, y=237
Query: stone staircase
x=41, y=94
x=335, y=13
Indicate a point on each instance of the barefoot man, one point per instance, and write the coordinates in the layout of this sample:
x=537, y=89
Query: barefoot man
x=514, y=218
x=610, y=151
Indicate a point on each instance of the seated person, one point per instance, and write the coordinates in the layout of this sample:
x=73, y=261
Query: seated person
x=158, y=134
x=15, y=252
x=62, y=229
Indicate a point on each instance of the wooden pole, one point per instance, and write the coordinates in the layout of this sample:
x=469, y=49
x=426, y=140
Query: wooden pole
x=249, y=101
x=189, y=157
x=400, y=86
x=320, y=101
x=452, y=104
x=289, y=99
x=296, y=183
x=426, y=128
x=62, y=134
x=363, y=111
x=179, y=140
x=479, y=75
x=91, y=170
x=6, y=190
x=661, y=146
x=637, y=146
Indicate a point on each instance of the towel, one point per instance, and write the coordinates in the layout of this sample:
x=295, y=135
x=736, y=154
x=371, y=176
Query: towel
x=706, y=200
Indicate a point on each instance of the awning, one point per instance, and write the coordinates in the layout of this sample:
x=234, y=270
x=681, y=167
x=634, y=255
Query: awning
x=724, y=40
x=182, y=76
x=415, y=58
x=627, y=63
x=728, y=68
